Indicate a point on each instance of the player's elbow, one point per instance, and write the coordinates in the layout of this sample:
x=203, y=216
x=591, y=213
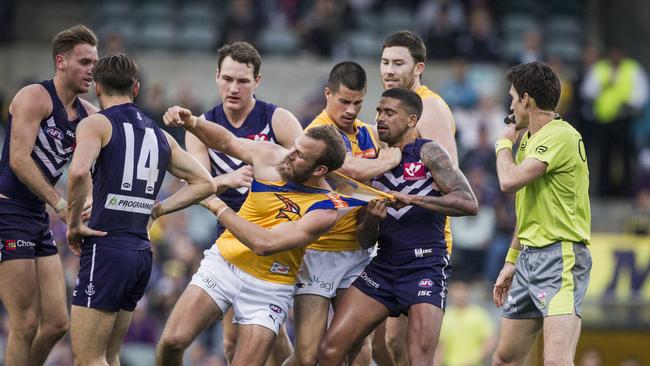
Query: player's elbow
x=472, y=208
x=508, y=186
x=76, y=174
x=262, y=247
x=16, y=161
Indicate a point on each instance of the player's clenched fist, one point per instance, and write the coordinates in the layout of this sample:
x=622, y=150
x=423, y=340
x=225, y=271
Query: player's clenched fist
x=392, y=154
x=179, y=117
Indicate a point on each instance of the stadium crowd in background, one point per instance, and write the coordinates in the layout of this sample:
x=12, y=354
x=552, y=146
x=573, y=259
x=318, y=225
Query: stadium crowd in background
x=458, y=34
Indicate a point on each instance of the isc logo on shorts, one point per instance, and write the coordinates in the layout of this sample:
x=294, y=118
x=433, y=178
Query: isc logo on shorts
x=414, y=171
x=280, y=268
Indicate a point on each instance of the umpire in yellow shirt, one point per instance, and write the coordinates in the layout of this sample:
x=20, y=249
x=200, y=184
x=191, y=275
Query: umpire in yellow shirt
x=546, y=272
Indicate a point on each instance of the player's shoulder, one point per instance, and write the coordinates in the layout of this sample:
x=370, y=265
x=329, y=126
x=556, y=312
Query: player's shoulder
x=33, y=97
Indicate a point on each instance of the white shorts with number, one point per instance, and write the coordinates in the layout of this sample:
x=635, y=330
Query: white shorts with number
x=323, y=272
x=254, y=301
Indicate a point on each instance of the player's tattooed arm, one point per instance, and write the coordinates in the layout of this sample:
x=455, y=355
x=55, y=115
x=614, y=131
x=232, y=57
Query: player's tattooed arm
x=457, y=197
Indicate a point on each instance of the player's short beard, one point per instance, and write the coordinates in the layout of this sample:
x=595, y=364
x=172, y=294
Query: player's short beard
x=292, y=175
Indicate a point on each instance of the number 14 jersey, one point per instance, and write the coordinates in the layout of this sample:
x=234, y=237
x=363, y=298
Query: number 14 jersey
x=128, y=174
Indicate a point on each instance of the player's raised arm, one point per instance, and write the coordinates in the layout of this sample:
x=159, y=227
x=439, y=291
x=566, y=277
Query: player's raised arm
x=217, y=137
x=199, y=182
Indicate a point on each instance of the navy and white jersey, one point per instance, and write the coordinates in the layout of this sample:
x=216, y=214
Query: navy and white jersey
x=257, y=126
x=53, y=149
x=411, y=231
x=127, y=176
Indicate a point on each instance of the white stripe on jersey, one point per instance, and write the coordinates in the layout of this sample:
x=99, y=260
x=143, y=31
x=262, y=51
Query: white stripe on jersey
x=48, y=164
x=46, y=145
x=216, y=160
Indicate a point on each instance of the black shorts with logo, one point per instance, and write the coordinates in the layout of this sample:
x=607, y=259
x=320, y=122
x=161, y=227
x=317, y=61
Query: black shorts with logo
x=24, y=234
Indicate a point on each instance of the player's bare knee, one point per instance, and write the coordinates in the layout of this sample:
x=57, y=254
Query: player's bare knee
x=326, y=353
x=229, y=347
x=175, y=340
x=55, y=328
x=499, y=360
x=307, y=358
x=25, y=327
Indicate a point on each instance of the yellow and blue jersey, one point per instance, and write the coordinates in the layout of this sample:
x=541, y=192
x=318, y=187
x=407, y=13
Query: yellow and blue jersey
x=362, y=144
x=267, y=205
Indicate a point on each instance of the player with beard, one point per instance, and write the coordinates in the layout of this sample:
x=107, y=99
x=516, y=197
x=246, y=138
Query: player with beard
x=238, y=76
x=410, y=272
x=253, y=266
x=402, y=65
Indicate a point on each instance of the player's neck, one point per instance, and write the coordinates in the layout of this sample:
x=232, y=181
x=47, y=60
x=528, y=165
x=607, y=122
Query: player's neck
x=237, y=117
x=315, y=182
x=66, y=95
x=114, y=100
x=407, y=138
x=416, y=84
x=539, y=119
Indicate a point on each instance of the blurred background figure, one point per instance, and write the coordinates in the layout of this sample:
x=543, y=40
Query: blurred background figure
x=468, y=336
x=617, y=87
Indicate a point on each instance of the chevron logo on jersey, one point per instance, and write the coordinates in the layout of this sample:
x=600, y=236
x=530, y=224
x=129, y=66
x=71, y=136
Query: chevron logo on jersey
x=414, y=171
x=290, y=208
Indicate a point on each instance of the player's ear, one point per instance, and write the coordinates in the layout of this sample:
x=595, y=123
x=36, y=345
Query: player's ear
x=419, y=68
x=413, y=120
x=258, y=79
x=320, y=170
x=136, y=89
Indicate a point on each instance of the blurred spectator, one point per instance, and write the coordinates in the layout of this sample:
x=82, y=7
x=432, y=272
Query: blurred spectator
x=113, y=43
x=321, y=27
x=639, y=221
x=480, y=43
x=143, y=328
x=242, y=22
x=566, y=86
x=591, y=357
x=439, y=22
x=155, y=102
x=618, y=88
x=532, y=50
x=458, y=91
x=467, y=337
x=505, y=227
x=487, y=119
x=473, y=234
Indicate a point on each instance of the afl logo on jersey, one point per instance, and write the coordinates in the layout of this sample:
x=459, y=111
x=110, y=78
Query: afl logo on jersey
x=414, y=171
x=54, y=132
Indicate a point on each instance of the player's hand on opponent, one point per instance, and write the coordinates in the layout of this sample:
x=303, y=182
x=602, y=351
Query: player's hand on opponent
x=377, y=208
x=503, y=283
x=401, y=200
x=76, y=233
x=179, y=117
x=390, y=154
x=242, y=177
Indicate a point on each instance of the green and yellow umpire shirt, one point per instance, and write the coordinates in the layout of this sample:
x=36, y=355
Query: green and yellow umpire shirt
x=555, y=206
